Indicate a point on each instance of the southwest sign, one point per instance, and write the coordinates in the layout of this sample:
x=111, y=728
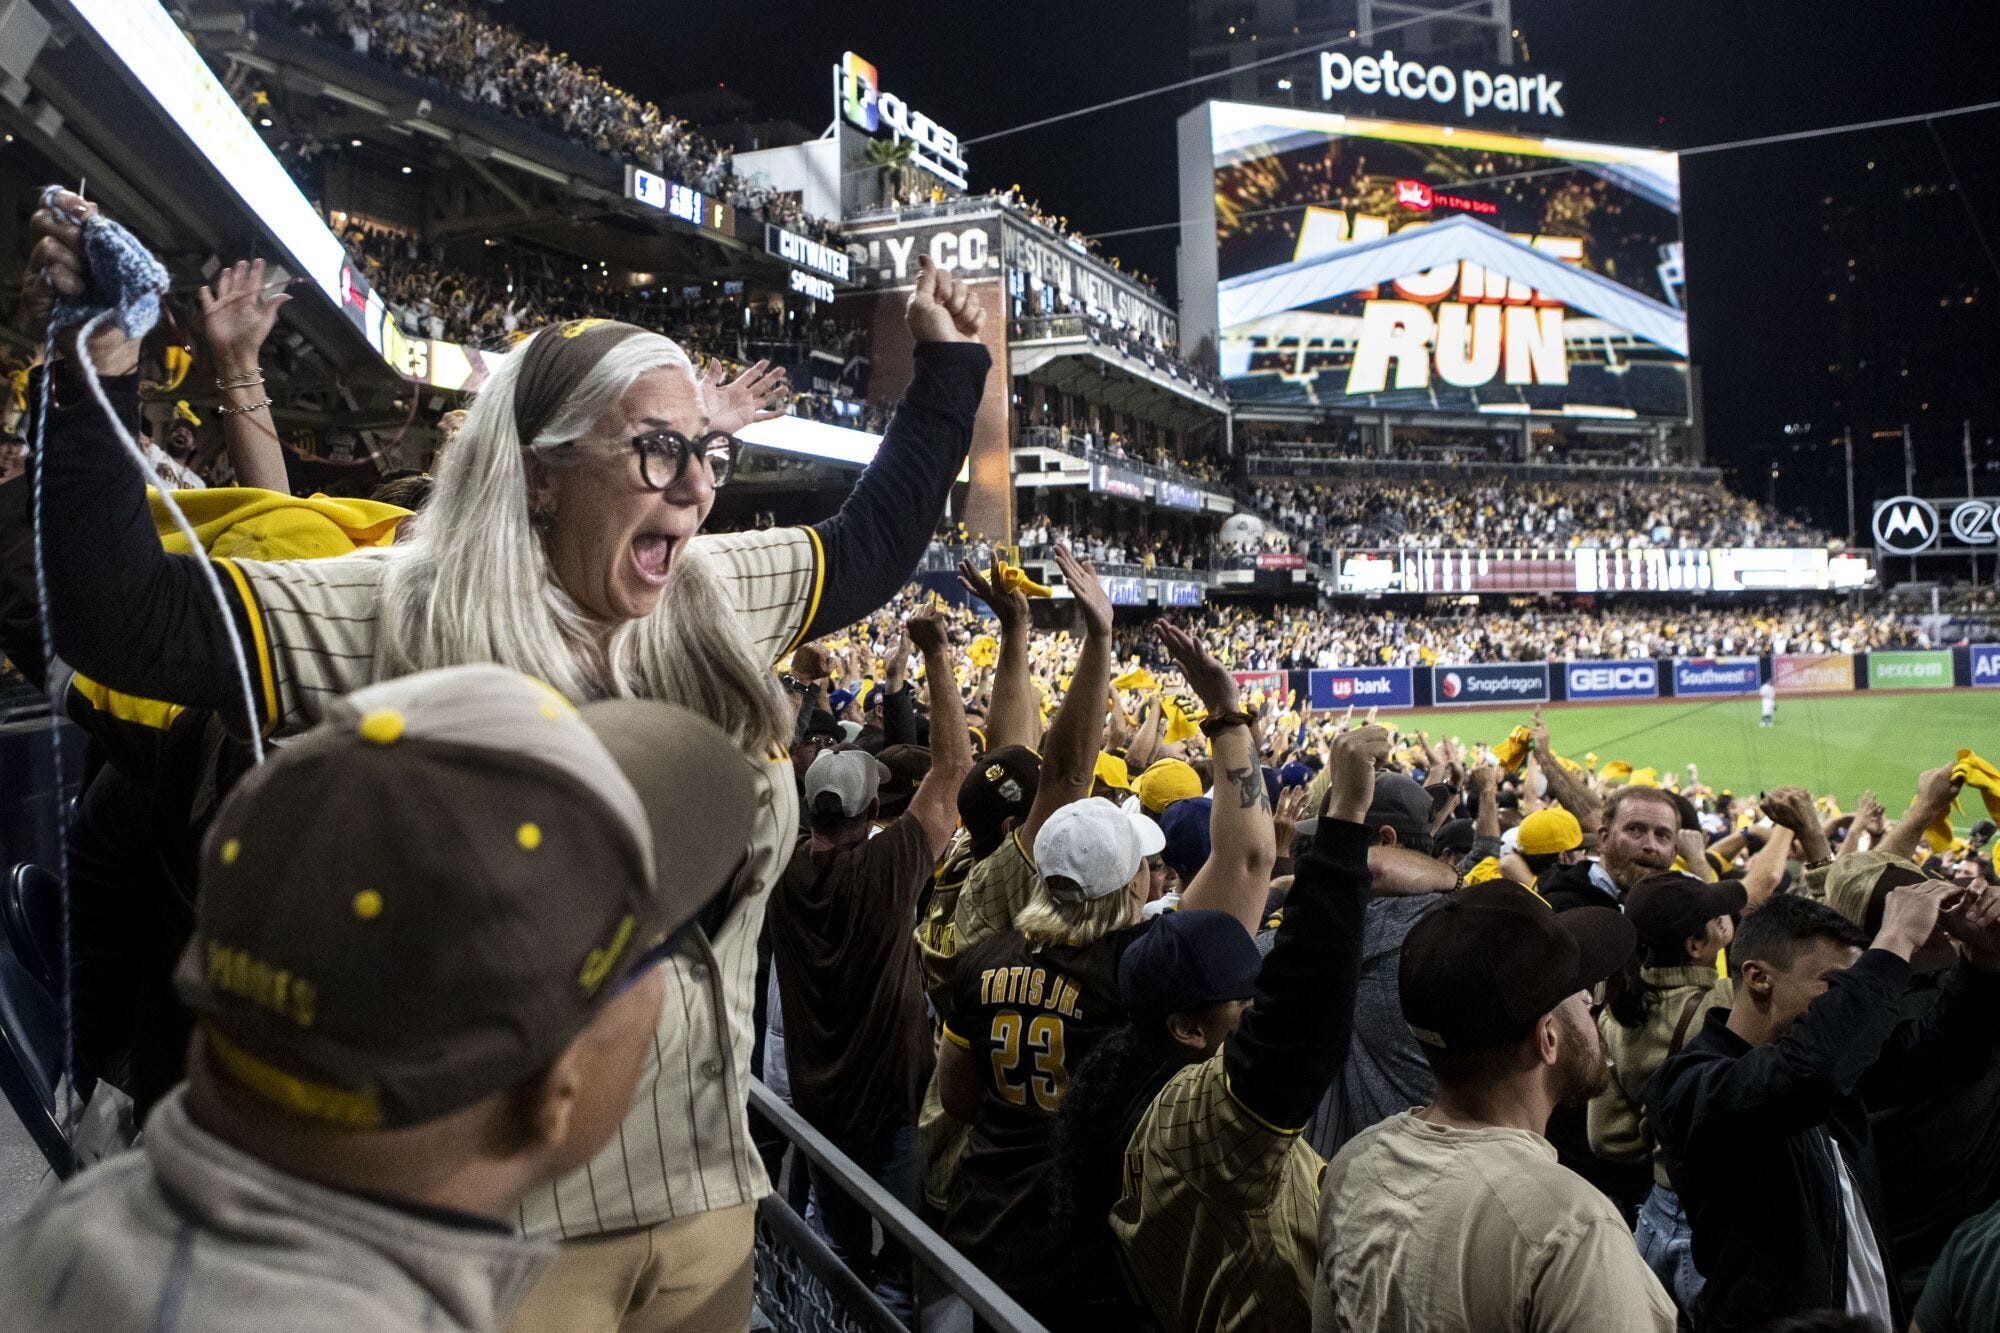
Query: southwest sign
x=1715, y=675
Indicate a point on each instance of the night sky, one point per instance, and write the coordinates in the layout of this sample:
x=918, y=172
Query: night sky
x=1673, y=74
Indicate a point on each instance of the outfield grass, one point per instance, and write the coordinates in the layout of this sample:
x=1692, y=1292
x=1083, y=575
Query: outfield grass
x=1834, y=744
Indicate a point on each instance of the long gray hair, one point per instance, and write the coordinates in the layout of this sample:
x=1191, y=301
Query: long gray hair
x=474, y=583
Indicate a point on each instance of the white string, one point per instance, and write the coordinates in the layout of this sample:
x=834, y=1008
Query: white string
x=138, y=457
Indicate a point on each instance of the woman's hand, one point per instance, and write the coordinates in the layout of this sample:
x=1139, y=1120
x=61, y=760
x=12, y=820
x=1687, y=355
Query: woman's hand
x=758, y=394
x=237, y=317
x=942, y=309
x=55, y=268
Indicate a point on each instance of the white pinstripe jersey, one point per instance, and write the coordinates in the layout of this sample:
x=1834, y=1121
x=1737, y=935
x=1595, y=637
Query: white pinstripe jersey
x=684, y=1147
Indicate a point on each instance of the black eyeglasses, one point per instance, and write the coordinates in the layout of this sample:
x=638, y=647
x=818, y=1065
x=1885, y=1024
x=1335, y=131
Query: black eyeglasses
x=664, y=454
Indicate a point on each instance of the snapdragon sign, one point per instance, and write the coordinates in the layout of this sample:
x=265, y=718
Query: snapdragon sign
x=1500, y=683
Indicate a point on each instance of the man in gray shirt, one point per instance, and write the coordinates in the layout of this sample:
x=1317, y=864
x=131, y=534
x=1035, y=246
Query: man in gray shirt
x=425, y=979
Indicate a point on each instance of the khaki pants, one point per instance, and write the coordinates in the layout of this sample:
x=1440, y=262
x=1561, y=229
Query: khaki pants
x=689, y=1273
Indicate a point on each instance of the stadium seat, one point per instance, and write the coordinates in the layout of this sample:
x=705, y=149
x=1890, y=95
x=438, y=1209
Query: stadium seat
x=33, y=913
x=31, y=1060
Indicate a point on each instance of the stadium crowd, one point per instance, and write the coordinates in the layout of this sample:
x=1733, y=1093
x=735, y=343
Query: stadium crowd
x=495, y=67
x=1515, y=514
x=1167, y=1006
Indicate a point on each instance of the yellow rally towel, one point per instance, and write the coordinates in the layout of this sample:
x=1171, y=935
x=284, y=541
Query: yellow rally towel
x=253, y=524
x=1138, y=678
x=1180, y=726
x=1513, y=752
x=984, y=651
x=1007, y=578
x=1480, y=873
x=1616, y=771
x=1590, y=760
x=1645, y=777
x=1982, y=777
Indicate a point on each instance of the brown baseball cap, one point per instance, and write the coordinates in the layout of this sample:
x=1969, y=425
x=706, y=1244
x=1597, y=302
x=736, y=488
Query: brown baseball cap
x=423, y=900
x=1482, y=966
x=1668, y=909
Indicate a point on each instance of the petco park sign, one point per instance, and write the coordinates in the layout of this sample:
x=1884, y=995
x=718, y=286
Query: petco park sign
x=1474, y=90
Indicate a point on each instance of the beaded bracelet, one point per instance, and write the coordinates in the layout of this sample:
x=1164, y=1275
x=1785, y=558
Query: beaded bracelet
x=249, y=381
x=225, y=411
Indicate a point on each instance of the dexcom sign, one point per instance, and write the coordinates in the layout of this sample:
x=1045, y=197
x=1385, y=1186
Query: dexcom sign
x=1501, y=683
x=1611, y=680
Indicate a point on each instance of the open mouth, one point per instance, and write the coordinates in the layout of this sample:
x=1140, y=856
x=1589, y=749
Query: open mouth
x=653, y=556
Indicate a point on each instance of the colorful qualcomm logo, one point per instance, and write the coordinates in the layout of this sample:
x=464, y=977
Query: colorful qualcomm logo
x=859, y=92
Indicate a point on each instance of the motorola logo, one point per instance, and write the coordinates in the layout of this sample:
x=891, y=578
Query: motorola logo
x=1905, y=525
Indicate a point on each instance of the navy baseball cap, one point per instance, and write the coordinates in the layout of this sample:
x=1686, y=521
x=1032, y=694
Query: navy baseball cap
x=1188, y=960
x=1185, y=824
x=1294, y=774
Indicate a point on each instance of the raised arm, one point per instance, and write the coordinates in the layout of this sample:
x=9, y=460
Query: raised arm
x=1935, y=792
x=870, y=546
x=1014, y=717
x=1077, y=730
x=1767, y=868
x=936, y=802
x=1295, y=1035
x=1567, y=789
x=126, y=613
x=1792, y=808
x=236, y=318
x=1145, y=746
x=1237, y=875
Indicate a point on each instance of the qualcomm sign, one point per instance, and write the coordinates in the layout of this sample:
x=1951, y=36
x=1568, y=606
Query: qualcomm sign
x=1384, y=75
x=858, y=98
x=1611, y=680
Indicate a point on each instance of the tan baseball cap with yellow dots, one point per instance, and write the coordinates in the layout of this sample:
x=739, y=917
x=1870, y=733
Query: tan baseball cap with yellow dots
x=424, y=899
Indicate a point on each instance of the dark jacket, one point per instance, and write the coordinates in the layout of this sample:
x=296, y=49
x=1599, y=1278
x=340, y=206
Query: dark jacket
x=1570, y=886
x=1748, y=1132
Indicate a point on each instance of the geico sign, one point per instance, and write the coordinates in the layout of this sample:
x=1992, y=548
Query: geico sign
x=1387, y=76
x=1590, y=680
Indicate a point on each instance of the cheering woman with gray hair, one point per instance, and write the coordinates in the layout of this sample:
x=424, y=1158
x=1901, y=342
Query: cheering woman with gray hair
x=563, y=540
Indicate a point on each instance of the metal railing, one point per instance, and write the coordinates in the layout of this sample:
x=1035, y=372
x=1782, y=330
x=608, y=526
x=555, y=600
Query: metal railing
x=1051, y=437
x=800, y=1284
x=1032, y=327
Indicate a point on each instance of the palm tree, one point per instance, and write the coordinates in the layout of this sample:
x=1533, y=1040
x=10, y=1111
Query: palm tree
x=892, y=158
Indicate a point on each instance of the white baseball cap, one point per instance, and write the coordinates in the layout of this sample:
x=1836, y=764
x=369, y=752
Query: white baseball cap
x=851, y=776
x=1095, y=845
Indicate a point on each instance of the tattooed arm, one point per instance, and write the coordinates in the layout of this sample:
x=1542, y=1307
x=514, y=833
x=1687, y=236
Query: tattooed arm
x=1242, y=842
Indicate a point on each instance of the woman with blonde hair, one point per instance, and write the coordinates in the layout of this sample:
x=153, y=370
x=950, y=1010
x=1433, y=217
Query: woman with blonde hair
x=562, y=540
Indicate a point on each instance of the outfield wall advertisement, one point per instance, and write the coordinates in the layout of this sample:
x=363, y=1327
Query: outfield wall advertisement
x=1367, y=687
x=1495, y=683
x=1638, y=679
x=1910, y=671
x=1794, y=673
x=1715, y=675
x=1986, y=664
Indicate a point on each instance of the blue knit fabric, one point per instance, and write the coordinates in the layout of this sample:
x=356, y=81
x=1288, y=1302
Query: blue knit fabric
x=120, y=275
